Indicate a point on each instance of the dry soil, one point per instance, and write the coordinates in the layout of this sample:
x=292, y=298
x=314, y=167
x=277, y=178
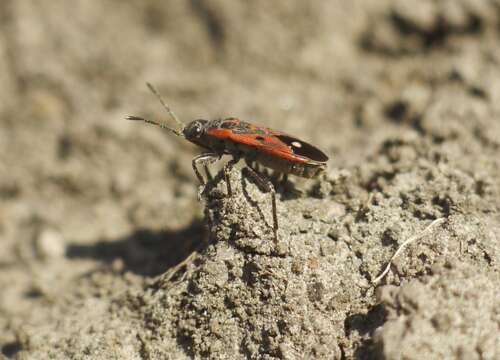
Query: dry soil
x=106, y=252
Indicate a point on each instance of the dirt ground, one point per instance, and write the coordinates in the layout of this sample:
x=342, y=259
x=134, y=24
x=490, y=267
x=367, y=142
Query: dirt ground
x=106, y=252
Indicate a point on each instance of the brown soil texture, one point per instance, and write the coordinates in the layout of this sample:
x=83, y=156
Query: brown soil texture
x=106, y=252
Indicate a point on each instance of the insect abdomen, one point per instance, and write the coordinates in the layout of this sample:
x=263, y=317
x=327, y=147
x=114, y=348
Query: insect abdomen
x=281, y=165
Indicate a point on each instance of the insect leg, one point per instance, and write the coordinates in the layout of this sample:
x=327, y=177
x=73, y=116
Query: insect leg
x=284, y=179
x=203, y=159
x=267, y=185
x=207, y=172
x=227, y=169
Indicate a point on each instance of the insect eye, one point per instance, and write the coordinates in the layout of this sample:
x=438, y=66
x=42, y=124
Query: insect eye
x=195, y=129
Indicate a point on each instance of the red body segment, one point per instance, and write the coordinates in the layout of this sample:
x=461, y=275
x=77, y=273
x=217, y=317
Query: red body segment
x=274, y=149
x=268, y=143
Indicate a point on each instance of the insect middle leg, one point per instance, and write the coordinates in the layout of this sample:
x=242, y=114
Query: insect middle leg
x=267, y=185
x=284, y=179
x=227, y=169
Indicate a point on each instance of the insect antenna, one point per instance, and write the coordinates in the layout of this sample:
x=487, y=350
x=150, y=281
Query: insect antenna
x=160, y=124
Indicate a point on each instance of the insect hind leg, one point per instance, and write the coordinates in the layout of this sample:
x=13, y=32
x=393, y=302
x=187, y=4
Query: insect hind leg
x=267, y=186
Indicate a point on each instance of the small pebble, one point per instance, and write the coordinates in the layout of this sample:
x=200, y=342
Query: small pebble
x=49, y=244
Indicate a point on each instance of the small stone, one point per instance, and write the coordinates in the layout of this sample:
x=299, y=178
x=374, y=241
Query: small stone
x=49, y=244
x=117, y=266
x=297, y=266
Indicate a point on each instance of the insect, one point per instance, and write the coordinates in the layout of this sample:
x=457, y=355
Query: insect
x=283, y=153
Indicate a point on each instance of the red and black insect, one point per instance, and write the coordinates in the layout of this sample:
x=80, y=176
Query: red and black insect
x=254, y=144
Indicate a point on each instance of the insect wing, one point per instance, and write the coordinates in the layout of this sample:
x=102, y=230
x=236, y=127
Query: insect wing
x=302, y=149
x=270, y=141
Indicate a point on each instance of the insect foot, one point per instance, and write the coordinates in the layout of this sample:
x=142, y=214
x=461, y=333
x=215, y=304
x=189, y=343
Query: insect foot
x=244, y=218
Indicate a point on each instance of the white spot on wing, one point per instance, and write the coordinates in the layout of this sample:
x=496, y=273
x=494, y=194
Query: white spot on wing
x=296, y=144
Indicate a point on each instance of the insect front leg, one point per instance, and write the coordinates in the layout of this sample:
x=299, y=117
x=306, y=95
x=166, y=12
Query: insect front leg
x=267, y=185
x=227, y=169
x=203, y=159
x=207, y=172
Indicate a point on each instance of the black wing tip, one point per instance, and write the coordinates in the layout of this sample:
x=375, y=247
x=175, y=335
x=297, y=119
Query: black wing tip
x=303, y=148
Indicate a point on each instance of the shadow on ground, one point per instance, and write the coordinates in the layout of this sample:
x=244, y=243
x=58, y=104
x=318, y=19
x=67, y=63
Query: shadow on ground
x=145, y=252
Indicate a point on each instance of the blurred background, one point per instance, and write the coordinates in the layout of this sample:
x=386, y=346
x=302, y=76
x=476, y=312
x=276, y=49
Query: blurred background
x=70, y=72
x=81, y=188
